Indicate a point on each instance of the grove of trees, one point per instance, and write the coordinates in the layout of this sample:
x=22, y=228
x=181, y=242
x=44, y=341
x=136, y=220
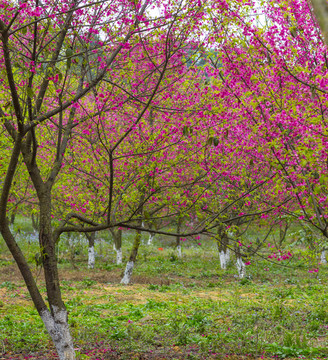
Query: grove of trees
x=202, y=115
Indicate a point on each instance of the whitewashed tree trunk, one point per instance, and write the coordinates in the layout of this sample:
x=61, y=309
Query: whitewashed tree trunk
x=58, y=329
x=127, y=273
x=224, y=258
x=179, y=251
x=228, y=256
x=241, y=268
x=70, y=241
x=178, y=242
x=119, y=256
x=222, y=243
x=323, y=259
x=91, y=257
x=117, y=245
x=91, y=250
x=150, y=239
x=133, y=258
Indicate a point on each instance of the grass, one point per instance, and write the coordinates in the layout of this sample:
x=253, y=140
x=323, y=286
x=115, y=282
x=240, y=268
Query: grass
x=182, y=308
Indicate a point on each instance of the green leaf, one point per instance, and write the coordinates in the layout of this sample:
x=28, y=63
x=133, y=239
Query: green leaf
x=69, y=52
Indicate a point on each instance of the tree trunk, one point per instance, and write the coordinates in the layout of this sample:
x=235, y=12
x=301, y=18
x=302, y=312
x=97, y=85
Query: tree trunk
x=57, y=326
x=151, y=238
x=323, y=259
x=91, y=250
x=55, y=320
x=283, y=233
x=222, y=243
x=179, y=251
x=13, y=216
x=177, y=240
x=241, y=267
x=133, y=257
x=117, y=237
x=35, y=222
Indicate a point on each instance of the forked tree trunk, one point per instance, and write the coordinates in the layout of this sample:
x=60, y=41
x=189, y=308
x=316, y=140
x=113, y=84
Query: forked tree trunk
x=132, y=259
x=91, y=249
x=117, y=237
x=223, y=243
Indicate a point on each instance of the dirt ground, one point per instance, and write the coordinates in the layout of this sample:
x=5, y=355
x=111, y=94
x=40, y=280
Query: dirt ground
x=11, y=273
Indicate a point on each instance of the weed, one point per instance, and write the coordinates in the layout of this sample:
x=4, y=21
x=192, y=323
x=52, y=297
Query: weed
x=9, y=285
x=88, y=282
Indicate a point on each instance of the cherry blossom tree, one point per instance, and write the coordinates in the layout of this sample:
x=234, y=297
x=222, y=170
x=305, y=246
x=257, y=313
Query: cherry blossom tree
x=274, y=77
x=59, y=61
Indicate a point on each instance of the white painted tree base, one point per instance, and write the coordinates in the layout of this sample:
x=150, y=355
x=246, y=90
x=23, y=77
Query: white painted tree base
x=323, y=259
x=58, y=329
x=179, y=251
x=127, y=273
x=150, y=239
x=71, y=241
x=119, y=256
x=224, y=259
x=91, y=257
x=241, y=268
x=228, y=256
